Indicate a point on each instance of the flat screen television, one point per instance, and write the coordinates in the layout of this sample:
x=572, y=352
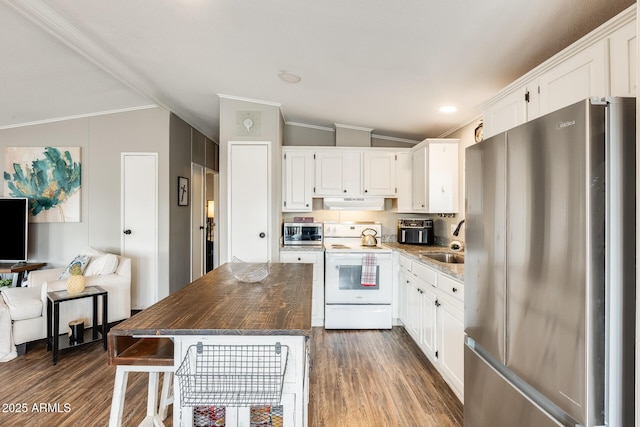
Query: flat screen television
x=14, y=214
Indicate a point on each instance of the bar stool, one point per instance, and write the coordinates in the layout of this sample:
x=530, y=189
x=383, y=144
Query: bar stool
x=152, y=355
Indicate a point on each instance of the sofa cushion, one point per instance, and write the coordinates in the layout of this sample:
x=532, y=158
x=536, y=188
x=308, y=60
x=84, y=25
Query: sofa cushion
x=82, y=260
x=102, y=264
x=24, y=303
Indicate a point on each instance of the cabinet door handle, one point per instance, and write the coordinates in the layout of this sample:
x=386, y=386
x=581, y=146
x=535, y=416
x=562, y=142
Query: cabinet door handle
x=454, y=290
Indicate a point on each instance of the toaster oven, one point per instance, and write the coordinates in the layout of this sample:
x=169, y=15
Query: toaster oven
x=415, y=231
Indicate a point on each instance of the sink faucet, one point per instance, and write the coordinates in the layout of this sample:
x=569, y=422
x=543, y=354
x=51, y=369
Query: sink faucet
x=455, y=233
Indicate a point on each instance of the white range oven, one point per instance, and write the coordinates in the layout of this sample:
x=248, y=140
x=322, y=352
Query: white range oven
x=358, y=279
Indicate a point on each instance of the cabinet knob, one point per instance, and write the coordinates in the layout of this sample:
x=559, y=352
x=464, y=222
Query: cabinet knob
x=307, y=205
x=366, y=191
x=344, y=191
x=127, y=232
x=454, y=290
x=262, y=235
x=300, y=259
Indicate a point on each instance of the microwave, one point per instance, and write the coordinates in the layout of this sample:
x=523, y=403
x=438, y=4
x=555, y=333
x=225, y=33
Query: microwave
x=302, y=233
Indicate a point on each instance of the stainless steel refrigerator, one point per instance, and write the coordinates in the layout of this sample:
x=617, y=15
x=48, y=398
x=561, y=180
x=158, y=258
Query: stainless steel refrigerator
x=550, y=271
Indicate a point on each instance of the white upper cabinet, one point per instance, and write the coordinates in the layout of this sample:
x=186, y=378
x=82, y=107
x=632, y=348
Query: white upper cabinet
x=602, y=63
x=419, y=160
x=403, y=183
x=578, y=77
x=435, y=176
x=507, y=112
x=380, y=173
x=623, y=54
x=338, y=173
x=297, y=180
x=443, y=177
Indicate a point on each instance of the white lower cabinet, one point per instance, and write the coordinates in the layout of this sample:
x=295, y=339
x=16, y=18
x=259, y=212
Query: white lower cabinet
x=431, y=308
x=451, y=342
x=317, y=259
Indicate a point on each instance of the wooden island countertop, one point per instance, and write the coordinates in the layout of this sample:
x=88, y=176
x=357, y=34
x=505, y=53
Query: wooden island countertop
x=217, y=304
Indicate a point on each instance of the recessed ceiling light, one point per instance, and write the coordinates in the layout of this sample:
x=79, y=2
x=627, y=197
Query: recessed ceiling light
x=448, y=109
x=289, y=77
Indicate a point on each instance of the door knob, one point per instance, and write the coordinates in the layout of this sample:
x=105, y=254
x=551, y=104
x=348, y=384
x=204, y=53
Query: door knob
x=262, y=235
x=127, y=231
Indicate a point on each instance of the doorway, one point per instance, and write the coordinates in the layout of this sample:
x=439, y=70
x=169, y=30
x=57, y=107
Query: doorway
x=211, y=189
x=203, y=230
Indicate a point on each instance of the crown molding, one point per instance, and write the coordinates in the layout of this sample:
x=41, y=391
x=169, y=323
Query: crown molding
x=393, y=138
x=79, y=116
x=338, y=125
x=305, y=125
x=254, y=101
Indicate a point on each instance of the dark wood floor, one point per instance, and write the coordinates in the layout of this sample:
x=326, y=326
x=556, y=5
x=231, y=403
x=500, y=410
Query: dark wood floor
x=359, y=378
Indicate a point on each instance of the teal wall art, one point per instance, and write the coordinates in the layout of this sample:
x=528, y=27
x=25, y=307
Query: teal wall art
x=49, y=177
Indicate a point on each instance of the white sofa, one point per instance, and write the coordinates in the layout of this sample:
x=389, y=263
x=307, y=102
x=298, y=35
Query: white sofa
x=28, y=305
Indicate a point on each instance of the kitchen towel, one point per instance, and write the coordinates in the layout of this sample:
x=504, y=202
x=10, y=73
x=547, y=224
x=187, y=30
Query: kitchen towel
x=368, y=276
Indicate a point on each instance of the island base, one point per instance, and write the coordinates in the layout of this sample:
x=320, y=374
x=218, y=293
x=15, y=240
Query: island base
x=290, y=410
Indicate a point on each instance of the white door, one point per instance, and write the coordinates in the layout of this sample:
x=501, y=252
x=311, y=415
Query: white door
x=297, y=180
x=380, y=174
x=451, y=343
x=443, y=178
x=250, y=201
x=579, y=77
x=139, y=218
x=419, y=179
x=198, y=221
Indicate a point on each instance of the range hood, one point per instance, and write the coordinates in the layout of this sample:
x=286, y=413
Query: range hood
x=354, y=203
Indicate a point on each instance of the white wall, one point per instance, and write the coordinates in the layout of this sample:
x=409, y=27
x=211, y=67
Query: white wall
x=101, y=138
x=271, y=129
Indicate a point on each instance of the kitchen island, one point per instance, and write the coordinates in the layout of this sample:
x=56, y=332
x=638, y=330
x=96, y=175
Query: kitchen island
x=217, y=311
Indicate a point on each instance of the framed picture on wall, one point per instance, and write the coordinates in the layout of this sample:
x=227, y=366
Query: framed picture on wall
x=183, y=191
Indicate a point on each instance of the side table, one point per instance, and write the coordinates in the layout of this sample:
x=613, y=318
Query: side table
x=20, y=269
x=54, y=299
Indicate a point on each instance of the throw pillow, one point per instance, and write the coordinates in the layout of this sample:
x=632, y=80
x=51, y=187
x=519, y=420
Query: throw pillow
x=83, y=260
x=102, y=264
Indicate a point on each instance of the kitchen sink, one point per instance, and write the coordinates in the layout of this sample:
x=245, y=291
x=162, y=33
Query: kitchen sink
x=447, y=257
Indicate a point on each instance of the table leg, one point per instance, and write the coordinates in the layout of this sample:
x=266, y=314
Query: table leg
x=105, y=319
x=49, y=324
x=56, y=328
x=95, y=317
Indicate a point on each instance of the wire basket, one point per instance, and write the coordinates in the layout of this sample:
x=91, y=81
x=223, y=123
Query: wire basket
x=232, y=375
x=248, y=272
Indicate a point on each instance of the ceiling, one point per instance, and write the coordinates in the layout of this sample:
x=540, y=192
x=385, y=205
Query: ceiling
x=386, y=65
